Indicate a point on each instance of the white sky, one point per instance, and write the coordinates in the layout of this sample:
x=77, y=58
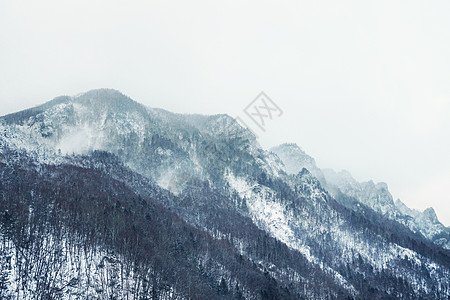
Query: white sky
x=363, y=86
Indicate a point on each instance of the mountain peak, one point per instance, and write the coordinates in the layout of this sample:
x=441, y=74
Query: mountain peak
x=102, y=92
x=295, y=159
x=102, y=98
x=94, y=100
x=291, y=146
x=430, y=214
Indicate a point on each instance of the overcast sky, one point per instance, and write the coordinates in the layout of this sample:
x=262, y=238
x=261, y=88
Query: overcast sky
x=363, y=86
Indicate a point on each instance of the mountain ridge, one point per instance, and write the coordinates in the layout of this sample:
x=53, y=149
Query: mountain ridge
x=307, y=241
x=374, y=195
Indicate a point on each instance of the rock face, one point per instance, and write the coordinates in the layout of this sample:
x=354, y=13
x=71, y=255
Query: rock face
x=426, y=222
x=116, y=200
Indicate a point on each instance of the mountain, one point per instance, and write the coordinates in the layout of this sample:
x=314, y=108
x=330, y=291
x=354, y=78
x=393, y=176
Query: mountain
x=426, y=222
x=344, y=188
x=102, y=197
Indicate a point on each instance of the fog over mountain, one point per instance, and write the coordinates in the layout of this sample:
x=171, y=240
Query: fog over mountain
x=368, y=80
x=102, y=197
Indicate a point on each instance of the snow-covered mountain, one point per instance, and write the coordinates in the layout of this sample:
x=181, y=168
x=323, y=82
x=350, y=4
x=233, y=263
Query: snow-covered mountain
x=426, y=222
x=200, y=193
x=341, y=185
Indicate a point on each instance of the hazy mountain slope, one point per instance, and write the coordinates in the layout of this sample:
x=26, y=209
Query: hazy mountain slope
x=344, y=188
x=426, y=222
x=212, y=174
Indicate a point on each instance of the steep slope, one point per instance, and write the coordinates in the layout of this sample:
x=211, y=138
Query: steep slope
x=295, y=159
x=343, y=187
x=212, y=174
x=427, y=223
x=374, y=195
x=83, y=234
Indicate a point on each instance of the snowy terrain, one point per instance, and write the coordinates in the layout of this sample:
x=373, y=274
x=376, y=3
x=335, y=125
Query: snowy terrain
x=313, y=233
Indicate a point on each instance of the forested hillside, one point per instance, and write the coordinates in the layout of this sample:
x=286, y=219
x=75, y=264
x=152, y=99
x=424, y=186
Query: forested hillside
x=104, y=198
